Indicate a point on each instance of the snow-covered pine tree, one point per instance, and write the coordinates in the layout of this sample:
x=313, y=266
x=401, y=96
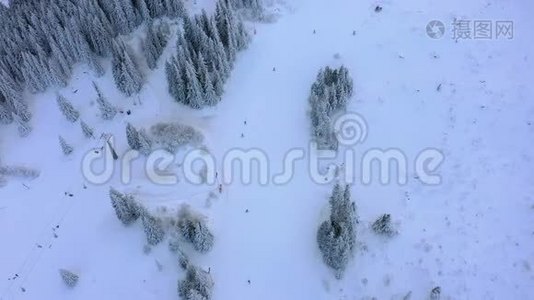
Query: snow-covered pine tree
x=107, y=110
x=34, y=70
x=242, y=36
x=145, y=143
x=175, y=69
x=5, y=114
x=82, y=49
x=196, y=285
x=126, y=73
x=155, y=42
x=175, y=8
x=11, y=94
x=88, y=132
x=67, y=109
x=126, y=209
x=193, y=91
x=21, y=110
x=66, y=148
x=383, y=226
x=336, y=236
x=142, y=10
x=329, y=95
x=59, y=66
x=195, y=230
x=209, y=96
x=69, y=278
x=122, y=15
x=224, y=18
x=133, y=137
x=152, y=227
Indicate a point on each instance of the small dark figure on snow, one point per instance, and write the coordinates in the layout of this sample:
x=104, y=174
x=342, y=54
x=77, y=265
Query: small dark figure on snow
x=378, y=8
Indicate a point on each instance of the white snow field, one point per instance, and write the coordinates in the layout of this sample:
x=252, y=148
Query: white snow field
x=472, y=235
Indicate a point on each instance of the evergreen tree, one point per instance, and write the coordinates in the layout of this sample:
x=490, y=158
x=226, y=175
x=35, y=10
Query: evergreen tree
x=145, y=143
x=66, y=148
x=21, y=110
x=193, y=91
x=126, y=73
x=175, y=8
x=133, y=137
x=329, y=94
x=383, y=226
x=69, y=278
x=336, y=237
x=107, y=110
x=11, y=94
x=155, y=42
x=126, y=209
x=209, y=96
x=5, y=114
x=195, y=230
x=34, y=70
x=196, y=285
x=153, y=228
x=67, y=109
x=88, y=132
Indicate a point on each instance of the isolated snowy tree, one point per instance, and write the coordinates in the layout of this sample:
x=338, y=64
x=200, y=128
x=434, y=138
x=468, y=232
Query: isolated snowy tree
x=153, y=228
x=329, y=95
x=193, y=228
x=126, y=73
x=156, y=39
x=383, y=226
x=126, y=209
x=336, y=236
x=196, y=285
x=69, y=278
x=107, y=110
x=133, y=137
x=88, y=132
x=67, y=109
x=66, y=148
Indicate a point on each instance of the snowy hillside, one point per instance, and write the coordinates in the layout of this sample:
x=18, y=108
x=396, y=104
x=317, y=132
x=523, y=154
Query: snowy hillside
x=416, y=89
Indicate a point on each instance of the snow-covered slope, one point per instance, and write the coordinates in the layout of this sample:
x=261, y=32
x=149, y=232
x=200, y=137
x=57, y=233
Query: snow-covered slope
x=470, y=235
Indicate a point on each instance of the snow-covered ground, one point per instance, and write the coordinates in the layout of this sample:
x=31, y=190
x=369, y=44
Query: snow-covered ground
x=471, y=235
